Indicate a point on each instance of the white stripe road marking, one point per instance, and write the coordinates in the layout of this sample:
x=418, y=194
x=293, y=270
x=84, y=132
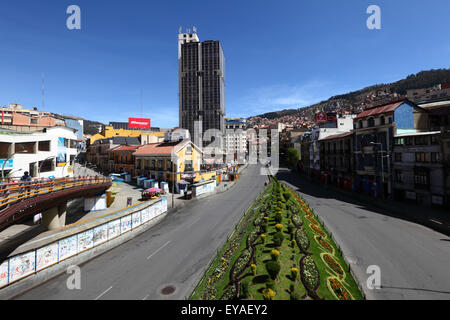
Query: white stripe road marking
x=104, y=292
x=148, y=258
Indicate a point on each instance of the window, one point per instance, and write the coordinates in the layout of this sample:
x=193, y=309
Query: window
x=408, y=141
x=44, y=146
x=46, y=166
x=371, y=122
x=434, y=139
x=435, y=157
x=360, y=124
x=188, y=165
x=189, y=150
x=398, y=176
x=421, y=140
x=399, y=141
x=422, y=157
x=24, y=147
x=421, y=177
x=382, y=120
x=398, y=157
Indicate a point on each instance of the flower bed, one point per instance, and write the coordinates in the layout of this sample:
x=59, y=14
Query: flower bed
x=297, y=221
x=313, y=221
x=338, y=290
x=317, y=230
x=324, y=244
x=309, y=273
x=333, y=264
x=240, y=264
x=302, y=240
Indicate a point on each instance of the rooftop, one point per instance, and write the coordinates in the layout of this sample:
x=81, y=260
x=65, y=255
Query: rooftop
x=390, y=107
x=417, y=134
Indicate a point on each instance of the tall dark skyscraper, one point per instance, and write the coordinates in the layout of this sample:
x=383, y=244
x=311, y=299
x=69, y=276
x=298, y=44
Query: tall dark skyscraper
x=201, y=83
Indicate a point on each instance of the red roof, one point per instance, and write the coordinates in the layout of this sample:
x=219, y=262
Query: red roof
x=125, y=148
x=337, y=136
x=381, y=109
x=156, y=148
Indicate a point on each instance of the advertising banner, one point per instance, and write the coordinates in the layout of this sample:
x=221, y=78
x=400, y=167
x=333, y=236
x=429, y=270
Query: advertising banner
x=4, y=273
x=113, y=229
x=139, y=123
x=321, y=117
x=100, y=234
x=22, y=266
x=68, y=247
x=61, y=158
x=85, y=240
x=125, y=223
x=46, y=256
x=8, y=165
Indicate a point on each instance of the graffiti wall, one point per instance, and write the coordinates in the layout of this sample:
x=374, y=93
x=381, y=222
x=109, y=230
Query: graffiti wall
x=46, y=256
x=23, y=265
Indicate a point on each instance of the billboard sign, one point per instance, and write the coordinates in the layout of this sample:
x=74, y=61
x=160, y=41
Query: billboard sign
x=321, y=117
x=139, y=123
x=61, y=159
x=8, y=165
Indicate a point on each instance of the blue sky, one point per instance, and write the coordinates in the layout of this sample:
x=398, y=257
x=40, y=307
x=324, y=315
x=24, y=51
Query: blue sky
x=279, y=54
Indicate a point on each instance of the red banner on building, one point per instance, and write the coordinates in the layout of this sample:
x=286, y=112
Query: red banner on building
x=138, y=123
x=321, y=117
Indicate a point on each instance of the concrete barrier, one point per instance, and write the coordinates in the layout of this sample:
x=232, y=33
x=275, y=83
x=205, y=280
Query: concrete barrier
x=37, y=261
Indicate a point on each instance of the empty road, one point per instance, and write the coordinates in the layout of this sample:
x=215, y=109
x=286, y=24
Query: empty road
x=414, y=260
x=170, y=256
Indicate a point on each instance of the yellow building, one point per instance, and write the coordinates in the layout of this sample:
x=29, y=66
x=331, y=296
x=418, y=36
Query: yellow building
x=155, y=161
x=110, y=132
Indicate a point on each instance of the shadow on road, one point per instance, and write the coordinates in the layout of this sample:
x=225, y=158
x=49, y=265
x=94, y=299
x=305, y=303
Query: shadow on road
x=320, y=191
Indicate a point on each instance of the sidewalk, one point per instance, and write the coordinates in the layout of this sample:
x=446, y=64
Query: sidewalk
x=435, y=218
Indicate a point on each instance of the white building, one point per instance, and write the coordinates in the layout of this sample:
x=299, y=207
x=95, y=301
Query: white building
x=50, y=153
x=344, y=123
x=235, y=139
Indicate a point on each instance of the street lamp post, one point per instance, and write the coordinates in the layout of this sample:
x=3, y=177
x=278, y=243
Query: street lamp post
x=382, y=162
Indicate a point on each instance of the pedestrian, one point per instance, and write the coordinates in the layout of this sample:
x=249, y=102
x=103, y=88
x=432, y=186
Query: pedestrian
x=26, y=179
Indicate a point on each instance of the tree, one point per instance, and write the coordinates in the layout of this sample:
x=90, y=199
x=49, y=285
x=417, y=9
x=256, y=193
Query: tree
x=293, y=157
x=273, y=268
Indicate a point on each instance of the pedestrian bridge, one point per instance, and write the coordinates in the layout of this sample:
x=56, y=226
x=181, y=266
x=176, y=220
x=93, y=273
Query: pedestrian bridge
x=47, y=196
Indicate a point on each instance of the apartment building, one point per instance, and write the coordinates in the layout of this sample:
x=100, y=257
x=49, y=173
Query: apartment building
x=375, y=129
x=49, y=153
x=418, y=169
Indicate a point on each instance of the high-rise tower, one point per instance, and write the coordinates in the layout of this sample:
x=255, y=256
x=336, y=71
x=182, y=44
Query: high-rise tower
x=201, y=83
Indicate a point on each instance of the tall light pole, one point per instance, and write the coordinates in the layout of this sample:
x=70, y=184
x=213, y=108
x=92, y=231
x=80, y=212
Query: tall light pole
x=382, y=162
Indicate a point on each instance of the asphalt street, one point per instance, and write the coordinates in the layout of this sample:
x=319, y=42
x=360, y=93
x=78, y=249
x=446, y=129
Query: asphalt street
x=414, y=260
x=169, y=258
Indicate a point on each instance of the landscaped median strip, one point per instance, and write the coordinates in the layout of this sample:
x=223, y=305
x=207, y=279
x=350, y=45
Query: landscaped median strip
x=279, y=251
